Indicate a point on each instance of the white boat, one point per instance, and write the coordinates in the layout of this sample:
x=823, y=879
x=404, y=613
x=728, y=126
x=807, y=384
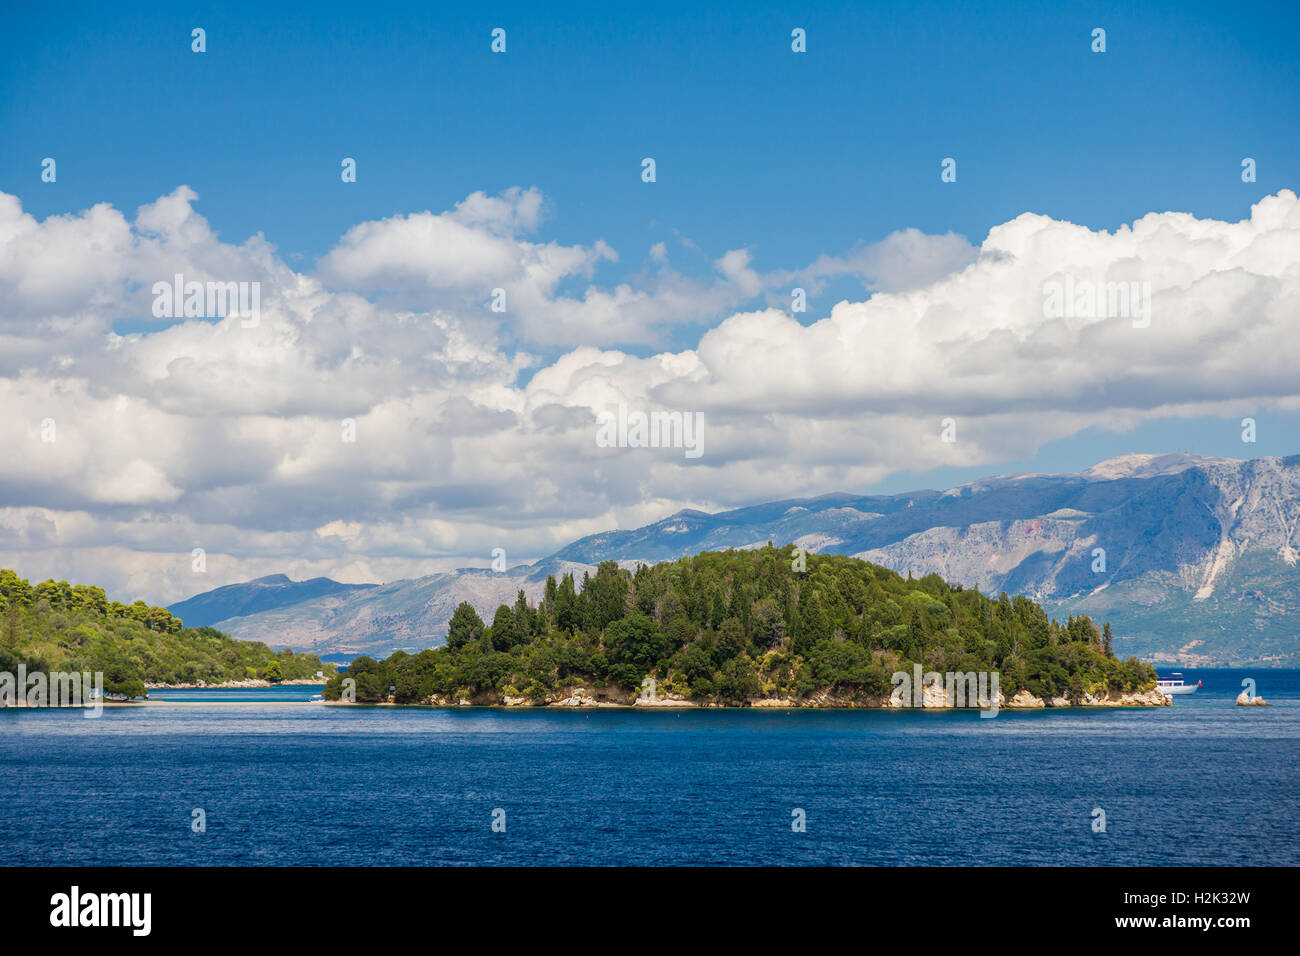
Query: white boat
x=1173, y=685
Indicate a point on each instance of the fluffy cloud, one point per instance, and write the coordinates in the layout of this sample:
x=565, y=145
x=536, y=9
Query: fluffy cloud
x=205, y=433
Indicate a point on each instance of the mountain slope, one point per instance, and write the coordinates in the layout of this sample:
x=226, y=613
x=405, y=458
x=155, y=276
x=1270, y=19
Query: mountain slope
x=1199, y=558
x=251, y=597
x=402, y=615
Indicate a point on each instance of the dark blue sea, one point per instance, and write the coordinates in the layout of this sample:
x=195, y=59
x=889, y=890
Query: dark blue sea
x=282, y=781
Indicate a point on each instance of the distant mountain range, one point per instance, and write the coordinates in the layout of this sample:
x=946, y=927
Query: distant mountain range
x=1191, y=559
x=257, y=596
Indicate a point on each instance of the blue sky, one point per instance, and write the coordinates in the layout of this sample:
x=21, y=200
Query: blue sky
x=788, y=156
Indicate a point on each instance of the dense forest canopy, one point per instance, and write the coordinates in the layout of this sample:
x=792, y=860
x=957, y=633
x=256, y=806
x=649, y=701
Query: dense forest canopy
x=54, y=626
x=731, y=626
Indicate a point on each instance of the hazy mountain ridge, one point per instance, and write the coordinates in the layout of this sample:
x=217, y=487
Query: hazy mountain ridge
x=401, y=615
x=257, y=596
x=1200, y=556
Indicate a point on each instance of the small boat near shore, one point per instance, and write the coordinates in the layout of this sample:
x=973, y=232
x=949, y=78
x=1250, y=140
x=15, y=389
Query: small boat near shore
x=1173, y=686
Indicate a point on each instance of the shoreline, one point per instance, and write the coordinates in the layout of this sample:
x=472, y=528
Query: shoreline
x=249, y=683
x=579, y=700
x=934, y=699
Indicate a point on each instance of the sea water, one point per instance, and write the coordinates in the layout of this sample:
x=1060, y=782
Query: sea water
x=282, y=781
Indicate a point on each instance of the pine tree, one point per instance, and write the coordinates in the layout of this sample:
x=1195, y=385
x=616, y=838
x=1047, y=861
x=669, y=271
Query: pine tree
x=465, y=626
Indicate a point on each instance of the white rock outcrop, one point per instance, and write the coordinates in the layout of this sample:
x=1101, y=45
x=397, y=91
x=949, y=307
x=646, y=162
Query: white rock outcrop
x=1247, y=699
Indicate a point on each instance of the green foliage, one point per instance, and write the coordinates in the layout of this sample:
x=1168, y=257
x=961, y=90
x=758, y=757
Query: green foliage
x=55, y=627
x=737, y=680
x=848, y=666
x=633, y=646
x=730, y=626
x=465, y=626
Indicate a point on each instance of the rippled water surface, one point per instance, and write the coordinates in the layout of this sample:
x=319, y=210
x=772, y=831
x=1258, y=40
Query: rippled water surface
x=283, y=781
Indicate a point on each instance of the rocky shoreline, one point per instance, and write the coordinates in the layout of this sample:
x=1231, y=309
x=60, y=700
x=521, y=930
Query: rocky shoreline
x=934, y=698
x=235, y=684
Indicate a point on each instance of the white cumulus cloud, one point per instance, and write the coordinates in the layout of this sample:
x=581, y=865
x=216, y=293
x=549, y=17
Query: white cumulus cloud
x=204, y=433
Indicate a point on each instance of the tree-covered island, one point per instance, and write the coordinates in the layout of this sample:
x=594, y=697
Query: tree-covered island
x=54, y=626
x=748, y=628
